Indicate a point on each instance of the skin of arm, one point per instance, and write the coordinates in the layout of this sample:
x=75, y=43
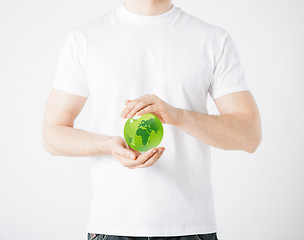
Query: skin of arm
x=59, y=137
x=237, y=128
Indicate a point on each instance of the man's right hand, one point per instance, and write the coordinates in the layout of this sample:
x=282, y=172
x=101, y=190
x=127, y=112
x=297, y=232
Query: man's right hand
x=131, y=158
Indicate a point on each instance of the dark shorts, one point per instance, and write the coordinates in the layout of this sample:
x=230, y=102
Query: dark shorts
x=208, y=236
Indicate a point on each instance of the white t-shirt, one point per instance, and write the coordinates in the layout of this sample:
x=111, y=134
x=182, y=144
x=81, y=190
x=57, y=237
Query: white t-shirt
x=178, y=57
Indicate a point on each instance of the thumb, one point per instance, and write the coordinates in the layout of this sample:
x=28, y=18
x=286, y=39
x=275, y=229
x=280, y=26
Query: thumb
x=126, y=153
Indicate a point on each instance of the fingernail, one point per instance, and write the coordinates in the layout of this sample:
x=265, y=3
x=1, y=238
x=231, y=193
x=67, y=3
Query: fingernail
x=160, y=150
x=154, y=151
x=131, y=156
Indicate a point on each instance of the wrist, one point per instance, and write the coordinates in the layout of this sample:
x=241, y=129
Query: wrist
x=104, y=144
x=179, y=113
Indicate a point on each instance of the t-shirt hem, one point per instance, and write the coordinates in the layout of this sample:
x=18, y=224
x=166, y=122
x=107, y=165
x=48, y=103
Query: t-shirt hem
x=152, y=232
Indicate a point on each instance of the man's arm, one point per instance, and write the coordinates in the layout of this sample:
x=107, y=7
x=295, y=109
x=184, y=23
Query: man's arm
x=237, y=128
x=59, y=136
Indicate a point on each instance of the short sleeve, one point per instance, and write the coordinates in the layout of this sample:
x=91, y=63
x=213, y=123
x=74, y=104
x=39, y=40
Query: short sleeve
x=70, y=75
x=228, y=74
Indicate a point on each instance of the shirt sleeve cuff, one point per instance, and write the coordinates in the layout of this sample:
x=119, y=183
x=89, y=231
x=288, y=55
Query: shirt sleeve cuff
x=71, y=90
x=236, y=88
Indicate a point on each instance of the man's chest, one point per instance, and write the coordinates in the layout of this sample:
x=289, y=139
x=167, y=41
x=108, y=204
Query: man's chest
x=148, y=61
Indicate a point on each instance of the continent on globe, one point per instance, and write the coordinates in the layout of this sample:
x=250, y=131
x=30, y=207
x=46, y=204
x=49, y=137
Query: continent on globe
x=144, y=132
x=145, y=128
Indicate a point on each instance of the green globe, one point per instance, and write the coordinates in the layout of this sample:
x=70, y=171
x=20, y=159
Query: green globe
x=144, y=132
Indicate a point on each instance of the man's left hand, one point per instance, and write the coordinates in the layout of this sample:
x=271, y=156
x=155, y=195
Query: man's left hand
x=150, y=103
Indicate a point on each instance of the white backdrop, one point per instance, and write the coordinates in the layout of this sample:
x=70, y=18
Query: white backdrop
x=257, y=196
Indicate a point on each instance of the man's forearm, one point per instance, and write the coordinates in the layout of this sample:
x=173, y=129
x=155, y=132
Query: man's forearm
x=230, y=132
x=68, y=141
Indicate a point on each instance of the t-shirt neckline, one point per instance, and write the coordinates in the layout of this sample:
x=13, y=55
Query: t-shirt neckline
x=133, y=17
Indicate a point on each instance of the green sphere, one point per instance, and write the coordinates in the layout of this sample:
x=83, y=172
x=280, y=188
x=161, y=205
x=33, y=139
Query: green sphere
x=144, y=132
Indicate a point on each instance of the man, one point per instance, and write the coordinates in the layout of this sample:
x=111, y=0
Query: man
x=150, y=56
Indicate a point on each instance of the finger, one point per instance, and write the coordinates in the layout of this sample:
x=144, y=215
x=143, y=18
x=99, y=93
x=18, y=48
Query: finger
x=148, y=109
x=142, y=158
x=152, y=160
x=147, y=99
x=141, y=105
x=128, y=108
x=127, y=101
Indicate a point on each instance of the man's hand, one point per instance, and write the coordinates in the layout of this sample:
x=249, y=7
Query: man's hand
x=150, y=103
x=131, y=158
